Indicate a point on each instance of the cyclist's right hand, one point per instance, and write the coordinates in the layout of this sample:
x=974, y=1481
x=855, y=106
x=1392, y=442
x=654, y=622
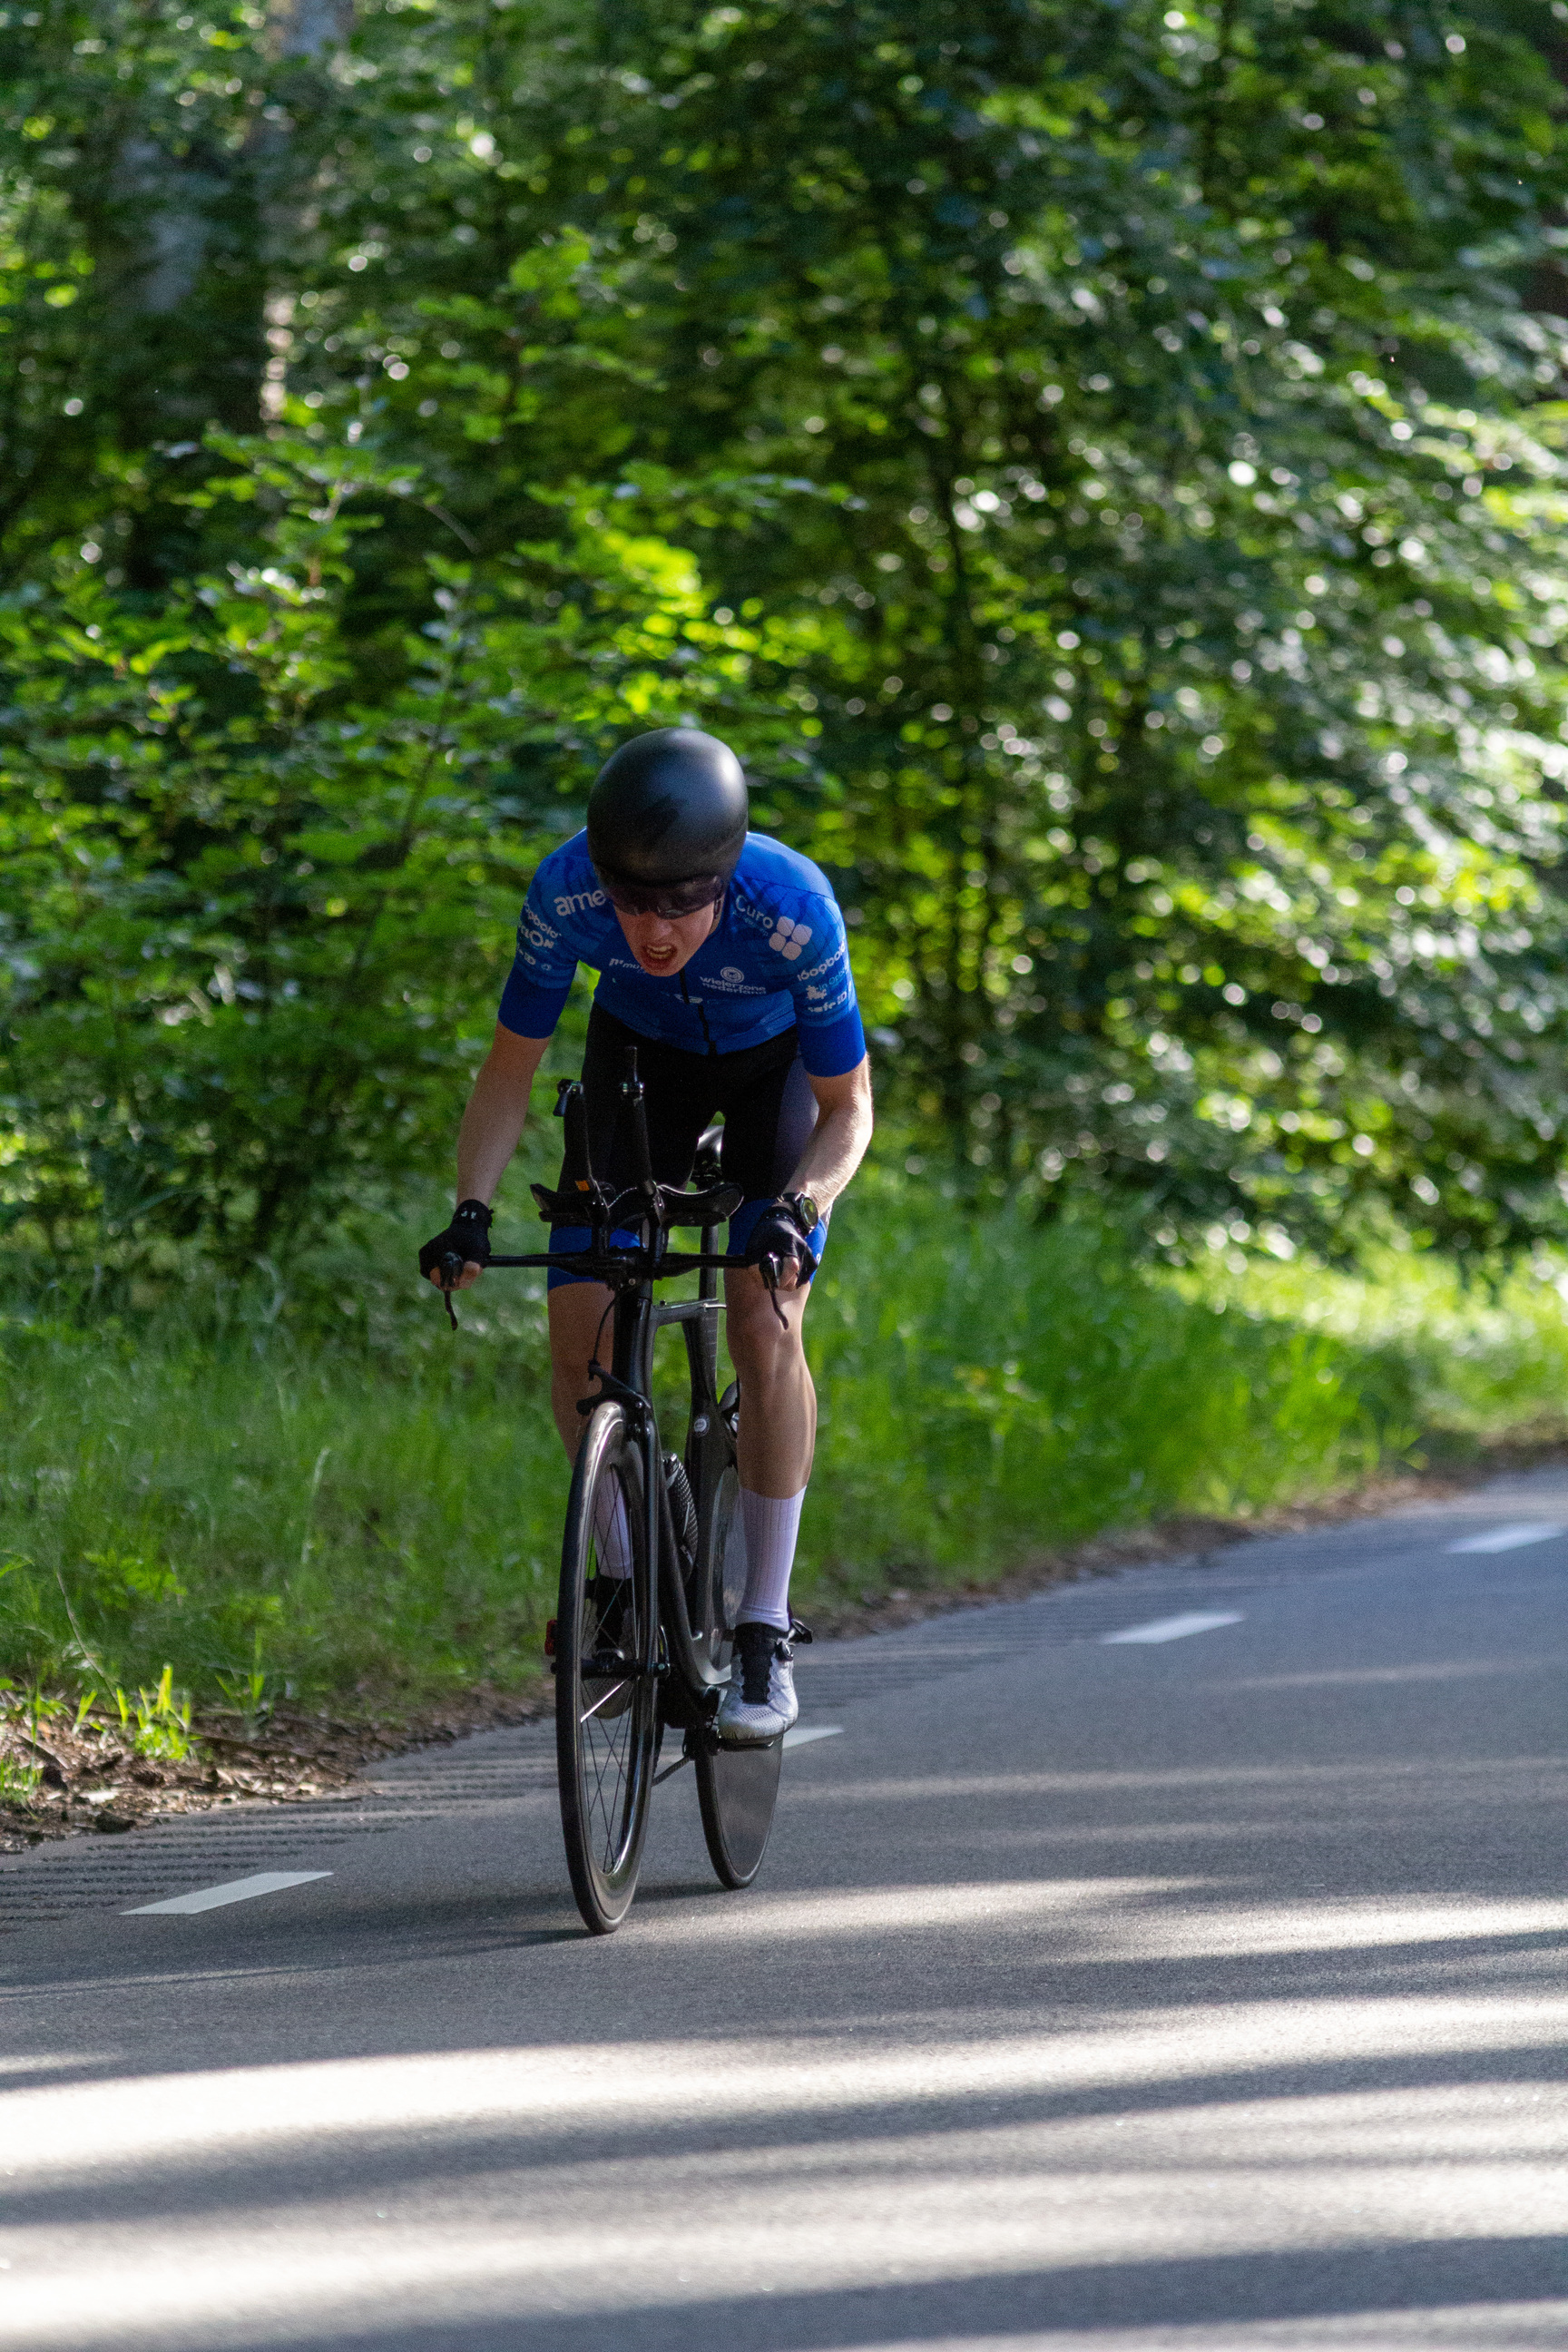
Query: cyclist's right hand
x=467, y=1237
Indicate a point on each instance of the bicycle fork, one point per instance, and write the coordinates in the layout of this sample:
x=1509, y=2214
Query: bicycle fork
x=690, y=1685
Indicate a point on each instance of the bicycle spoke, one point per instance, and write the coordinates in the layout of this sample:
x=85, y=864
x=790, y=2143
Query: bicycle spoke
x=607, y=1741
x=607, y=1729
x=590, y=1711
x=607, y=1843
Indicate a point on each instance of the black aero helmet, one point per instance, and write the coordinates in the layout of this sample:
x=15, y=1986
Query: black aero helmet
x=667, y=821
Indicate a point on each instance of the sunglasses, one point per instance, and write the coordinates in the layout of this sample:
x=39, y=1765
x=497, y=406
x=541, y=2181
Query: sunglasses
x=669, y=900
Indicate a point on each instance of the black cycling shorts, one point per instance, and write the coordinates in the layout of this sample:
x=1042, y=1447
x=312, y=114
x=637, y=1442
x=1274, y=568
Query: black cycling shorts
x=762, y=1091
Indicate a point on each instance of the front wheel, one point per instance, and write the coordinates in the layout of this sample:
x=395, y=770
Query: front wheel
x=606, y=1730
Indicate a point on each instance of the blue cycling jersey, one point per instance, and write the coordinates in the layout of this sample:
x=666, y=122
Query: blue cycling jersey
x=776, y=959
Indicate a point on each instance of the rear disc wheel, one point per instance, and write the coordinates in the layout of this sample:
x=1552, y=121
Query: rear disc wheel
x=737, y=1788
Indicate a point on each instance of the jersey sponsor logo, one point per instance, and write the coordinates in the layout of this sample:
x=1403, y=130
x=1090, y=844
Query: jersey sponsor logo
x=790, y=940
x=578, y=900
x=731, y=973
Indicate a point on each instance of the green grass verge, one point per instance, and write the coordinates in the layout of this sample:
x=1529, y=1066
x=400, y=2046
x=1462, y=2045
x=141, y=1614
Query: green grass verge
x=332, y=1492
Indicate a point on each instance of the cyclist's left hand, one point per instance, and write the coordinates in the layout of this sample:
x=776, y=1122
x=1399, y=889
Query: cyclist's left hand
x=775, y=1234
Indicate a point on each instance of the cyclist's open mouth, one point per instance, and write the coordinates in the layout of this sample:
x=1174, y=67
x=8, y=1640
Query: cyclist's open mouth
x=659, y=958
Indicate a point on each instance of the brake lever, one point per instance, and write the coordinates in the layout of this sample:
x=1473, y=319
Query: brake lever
x=451, y=1271
x=770, y=1269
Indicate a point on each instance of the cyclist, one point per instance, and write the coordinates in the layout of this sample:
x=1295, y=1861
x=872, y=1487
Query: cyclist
x=721, y=957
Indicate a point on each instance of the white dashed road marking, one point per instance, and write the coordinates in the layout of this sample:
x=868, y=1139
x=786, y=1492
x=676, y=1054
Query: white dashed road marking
x=1527, y=1531
x=1176, y=1629
x=238, y=1890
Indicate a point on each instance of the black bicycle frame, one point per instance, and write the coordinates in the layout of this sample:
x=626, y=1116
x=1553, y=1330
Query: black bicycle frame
x=638, y=1318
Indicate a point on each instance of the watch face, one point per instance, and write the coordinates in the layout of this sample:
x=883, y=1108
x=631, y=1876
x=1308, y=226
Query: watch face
x=810, y=1215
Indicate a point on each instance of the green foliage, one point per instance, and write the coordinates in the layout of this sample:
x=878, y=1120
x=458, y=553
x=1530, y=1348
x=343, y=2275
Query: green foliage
x=247, y=1693
x=326, y=1516
x=1012, y=1390
x=162, y=1720
x=258, y=917
x=1487, y=1360
x=1172, y=648
x=1104, y=466
x=18, y=1782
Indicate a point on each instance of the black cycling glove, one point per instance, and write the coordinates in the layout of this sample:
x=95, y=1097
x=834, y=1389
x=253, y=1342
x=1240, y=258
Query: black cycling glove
x=467, y=1237
x=777, y=1235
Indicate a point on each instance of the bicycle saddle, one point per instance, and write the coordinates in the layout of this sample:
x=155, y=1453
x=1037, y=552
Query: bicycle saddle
x=590, y=1204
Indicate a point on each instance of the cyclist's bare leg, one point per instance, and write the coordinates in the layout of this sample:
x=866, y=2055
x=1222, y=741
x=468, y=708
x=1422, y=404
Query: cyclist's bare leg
x=578, y=1331
x=777, y=1429
x=778, y=1402
x=777, y=1433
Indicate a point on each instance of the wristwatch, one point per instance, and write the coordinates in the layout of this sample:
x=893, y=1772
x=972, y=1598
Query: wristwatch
x=804, y=1211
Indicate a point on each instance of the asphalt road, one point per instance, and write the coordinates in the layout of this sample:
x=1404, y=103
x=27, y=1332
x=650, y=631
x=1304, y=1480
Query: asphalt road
x=1205, y=1990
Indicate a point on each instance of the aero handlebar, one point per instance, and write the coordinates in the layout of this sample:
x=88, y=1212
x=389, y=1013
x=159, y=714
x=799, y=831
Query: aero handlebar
x=656, y=1207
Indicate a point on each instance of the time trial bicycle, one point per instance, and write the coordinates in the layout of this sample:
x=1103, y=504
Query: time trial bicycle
x=635, y=1656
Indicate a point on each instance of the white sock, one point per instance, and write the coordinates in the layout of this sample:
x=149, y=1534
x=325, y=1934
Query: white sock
x=772, y=1524
x=611, y=1532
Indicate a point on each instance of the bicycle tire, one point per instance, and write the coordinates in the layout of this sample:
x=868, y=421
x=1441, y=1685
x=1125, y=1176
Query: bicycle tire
x=606, y=1730
x=737, y=1788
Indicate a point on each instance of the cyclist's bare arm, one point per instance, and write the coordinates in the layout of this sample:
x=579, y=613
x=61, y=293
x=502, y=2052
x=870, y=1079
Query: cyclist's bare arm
x=492, y=1123
x=839, y=1141
x=836, y=1148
